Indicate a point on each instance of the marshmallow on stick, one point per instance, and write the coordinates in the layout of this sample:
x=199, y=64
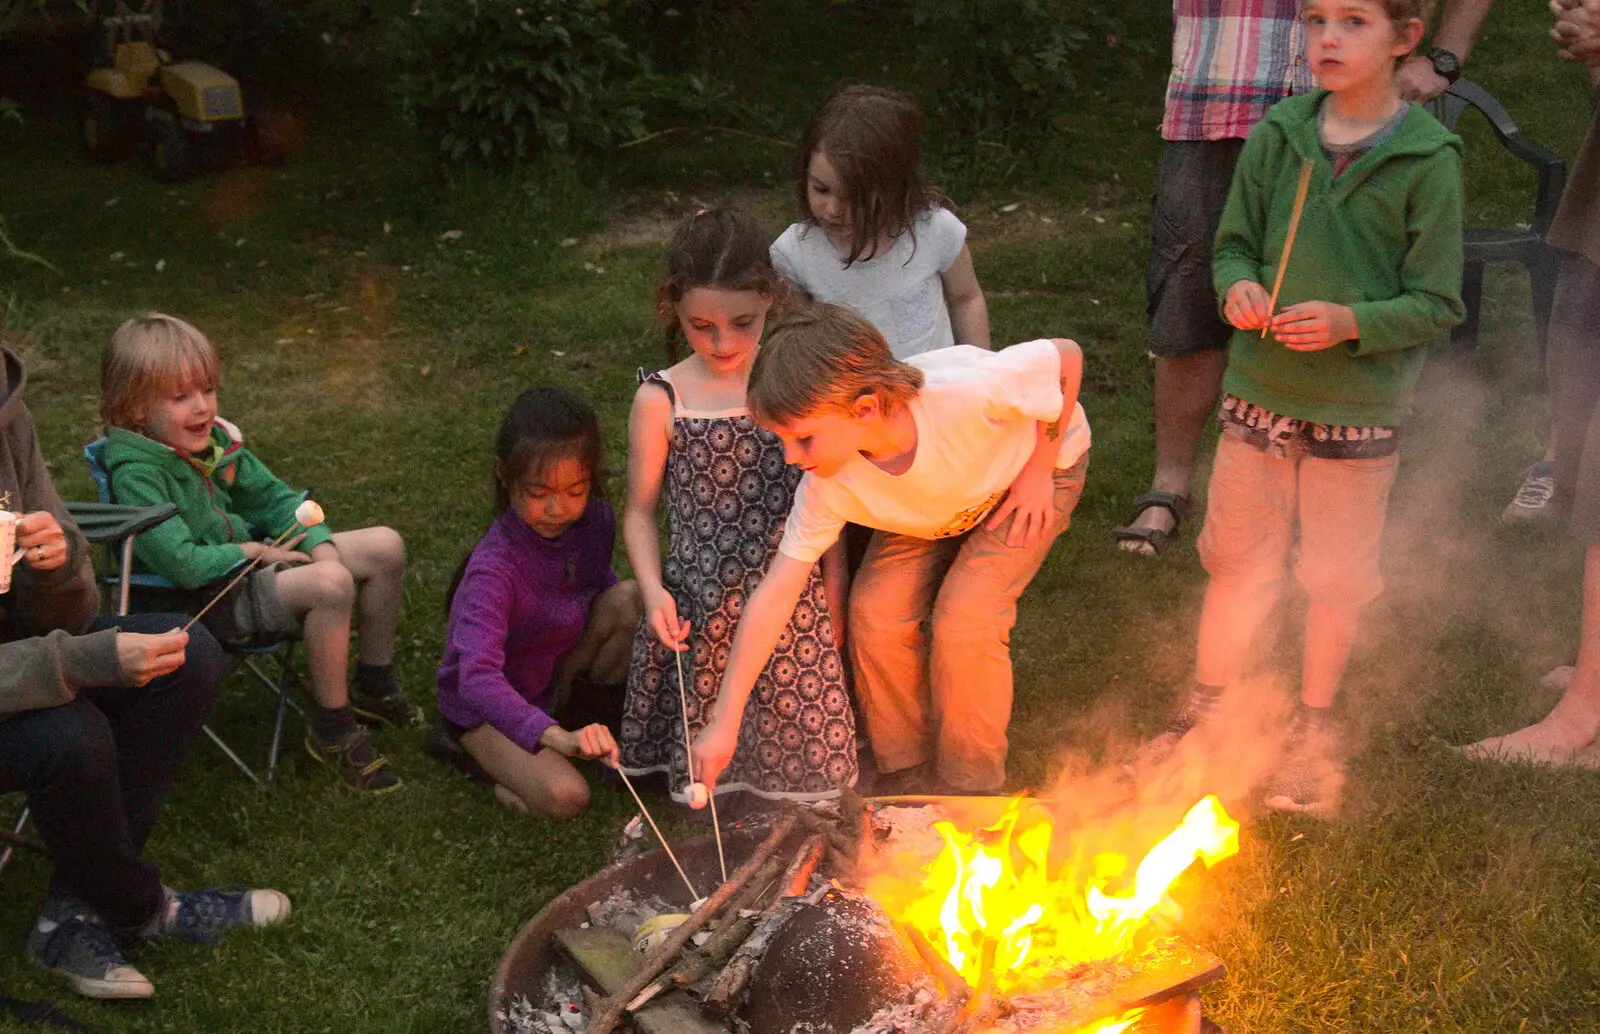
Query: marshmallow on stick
x=308, y=514
x=698, y=796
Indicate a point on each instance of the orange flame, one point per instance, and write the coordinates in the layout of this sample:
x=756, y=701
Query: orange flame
x=991, y=906
x=1115, y=1025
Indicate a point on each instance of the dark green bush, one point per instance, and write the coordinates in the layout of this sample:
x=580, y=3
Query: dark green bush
x=502, y=80
x=1002, y=68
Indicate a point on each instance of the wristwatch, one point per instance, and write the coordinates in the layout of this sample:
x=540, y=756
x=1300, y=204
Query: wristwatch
x=1445, y=63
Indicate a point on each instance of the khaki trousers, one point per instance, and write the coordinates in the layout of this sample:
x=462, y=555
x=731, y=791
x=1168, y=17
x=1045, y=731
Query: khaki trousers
x=950, y=701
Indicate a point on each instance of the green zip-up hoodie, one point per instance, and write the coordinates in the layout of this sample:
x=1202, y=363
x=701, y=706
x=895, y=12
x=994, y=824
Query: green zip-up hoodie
x=239, y=501
x=1384, y=238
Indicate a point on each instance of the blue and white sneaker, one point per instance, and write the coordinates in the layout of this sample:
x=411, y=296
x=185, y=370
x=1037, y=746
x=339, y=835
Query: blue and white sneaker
x=203, y=916
x=1532, y=501
x=71, y=940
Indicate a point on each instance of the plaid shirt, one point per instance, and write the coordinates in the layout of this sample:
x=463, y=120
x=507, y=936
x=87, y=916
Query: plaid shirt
x=1231, y=61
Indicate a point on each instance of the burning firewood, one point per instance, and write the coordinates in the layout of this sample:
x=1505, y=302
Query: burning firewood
x=609, y=1010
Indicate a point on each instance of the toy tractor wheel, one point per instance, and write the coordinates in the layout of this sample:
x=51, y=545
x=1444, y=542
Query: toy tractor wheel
x=172, y=156
x=104, y=126
x=262, y=145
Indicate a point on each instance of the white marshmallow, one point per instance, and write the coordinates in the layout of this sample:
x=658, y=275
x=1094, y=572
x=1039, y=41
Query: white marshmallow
x=308, y=513
x=698, y=795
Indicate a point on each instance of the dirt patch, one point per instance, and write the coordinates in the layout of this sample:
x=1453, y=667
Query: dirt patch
x=643, y=220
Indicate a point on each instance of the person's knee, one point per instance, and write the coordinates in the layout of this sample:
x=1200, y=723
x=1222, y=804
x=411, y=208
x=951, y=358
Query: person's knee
x=568, y=797
x=1347, y=588
x=620, y=607
x=388, y=549
x=331, y=584
x=965, y=621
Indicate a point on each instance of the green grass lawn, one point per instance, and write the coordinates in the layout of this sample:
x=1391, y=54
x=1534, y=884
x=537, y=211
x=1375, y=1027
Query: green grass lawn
x=370, y=357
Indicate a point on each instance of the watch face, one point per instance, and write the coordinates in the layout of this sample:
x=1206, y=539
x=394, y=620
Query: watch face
x=1445, y=63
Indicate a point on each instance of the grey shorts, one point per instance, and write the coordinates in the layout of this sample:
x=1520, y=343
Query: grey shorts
x=1574, y=373
x=251, y=610
x=1180, y=303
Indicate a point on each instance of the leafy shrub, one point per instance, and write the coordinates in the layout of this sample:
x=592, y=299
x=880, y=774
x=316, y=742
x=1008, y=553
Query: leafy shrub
x=1003, y=67
x=511, y=79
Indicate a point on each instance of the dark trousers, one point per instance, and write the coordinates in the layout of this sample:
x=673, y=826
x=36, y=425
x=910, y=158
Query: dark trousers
x=96, y=771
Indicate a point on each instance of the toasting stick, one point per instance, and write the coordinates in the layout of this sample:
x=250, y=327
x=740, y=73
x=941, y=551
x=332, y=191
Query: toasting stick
x=1288, y=242
x=699, y=794
x=306, y=515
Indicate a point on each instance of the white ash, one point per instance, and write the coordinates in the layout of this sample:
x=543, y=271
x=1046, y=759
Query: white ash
x=906, y=1015
x=910, y=829
x=623, y=910
x=556, y=1009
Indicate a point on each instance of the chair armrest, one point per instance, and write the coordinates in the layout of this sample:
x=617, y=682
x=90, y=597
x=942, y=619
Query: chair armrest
x=1551, y=167
x=109, y=522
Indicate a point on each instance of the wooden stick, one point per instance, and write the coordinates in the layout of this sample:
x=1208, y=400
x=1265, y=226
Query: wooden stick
x=730, y=934
x=694, y=895
x=817, y=824
x=798, y=876
x=729, y=989
x=688, y=760
x=611, y=1009
x=1288, y=241
x=251, y=566
x=937, y=964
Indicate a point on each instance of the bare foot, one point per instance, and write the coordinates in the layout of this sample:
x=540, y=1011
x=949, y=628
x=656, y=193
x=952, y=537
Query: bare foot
x=1550, y=742
x=1156, y=518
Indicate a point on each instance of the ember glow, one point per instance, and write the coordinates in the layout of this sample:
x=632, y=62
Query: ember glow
x=991, y=906
x=1116, y=1025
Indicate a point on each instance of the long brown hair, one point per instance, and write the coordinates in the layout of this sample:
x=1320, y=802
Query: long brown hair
x=825, y=357
x=724, y=249
x=869, y=134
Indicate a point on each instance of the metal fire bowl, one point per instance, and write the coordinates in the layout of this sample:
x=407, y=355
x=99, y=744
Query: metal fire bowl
x=522, y=968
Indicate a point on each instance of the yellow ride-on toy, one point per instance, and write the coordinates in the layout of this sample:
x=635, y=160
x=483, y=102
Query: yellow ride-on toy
x=182, y=113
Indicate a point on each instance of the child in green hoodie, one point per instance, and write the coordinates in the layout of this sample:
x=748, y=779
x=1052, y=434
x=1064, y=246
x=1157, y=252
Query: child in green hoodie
x=165, y=443
x=1316, y=389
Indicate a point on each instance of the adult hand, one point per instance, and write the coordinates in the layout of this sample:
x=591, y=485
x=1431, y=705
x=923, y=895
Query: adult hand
x=1028, y=503
x=1312, y=326
x=43, y=543
x=1417, y=81
x=1247, y=305
x=143, y=657
x=713, y=749
x=1577, y=30
x=661, y=611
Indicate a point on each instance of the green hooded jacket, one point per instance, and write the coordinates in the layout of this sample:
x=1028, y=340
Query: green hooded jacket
x=1384, y=238
x=239, y=501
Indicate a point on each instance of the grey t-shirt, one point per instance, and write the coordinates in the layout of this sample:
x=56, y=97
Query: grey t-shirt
x=900, y=291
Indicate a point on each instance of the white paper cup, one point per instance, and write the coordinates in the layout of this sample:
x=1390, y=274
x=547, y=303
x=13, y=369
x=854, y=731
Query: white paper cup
x=8, y=552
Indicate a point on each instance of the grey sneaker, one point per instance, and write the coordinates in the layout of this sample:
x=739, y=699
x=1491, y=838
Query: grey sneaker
x=204, y=915
x=357, y=760
x=70, y=940
x=1532, y=501
x=1198, y=709
x=1310, y=779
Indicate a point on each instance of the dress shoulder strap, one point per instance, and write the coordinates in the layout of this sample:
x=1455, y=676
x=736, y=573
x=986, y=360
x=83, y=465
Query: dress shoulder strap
x=659, y=377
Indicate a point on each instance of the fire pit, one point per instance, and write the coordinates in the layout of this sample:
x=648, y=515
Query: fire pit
x=903, y=916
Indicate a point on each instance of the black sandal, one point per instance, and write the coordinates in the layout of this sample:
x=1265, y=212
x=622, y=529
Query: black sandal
x=1173, y=503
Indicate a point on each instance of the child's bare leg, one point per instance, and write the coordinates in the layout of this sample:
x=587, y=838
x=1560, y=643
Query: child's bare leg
x=1572, y=724
x=376, y=558
x=1229, y=619
x=1330, y=632
x=604, y=652
x=322, y=595
x=546, y=782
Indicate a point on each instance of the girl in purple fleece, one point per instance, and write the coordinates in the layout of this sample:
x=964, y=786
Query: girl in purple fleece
x=537, y=610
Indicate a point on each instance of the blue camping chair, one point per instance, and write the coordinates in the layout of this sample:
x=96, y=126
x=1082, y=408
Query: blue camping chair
x=146, y=590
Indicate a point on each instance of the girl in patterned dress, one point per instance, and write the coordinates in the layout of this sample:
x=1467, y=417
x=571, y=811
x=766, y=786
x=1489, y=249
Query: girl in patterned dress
x=728, y=493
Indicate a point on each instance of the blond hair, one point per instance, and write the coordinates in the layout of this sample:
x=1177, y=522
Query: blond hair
x=825, y=357
x=149, y=356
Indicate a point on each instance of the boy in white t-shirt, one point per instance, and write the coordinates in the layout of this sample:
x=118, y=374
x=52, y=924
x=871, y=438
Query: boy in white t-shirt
x=969, y=463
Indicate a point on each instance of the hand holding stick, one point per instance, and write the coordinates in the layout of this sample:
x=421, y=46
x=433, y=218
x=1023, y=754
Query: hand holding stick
x=1288, y=242
x=306, y=515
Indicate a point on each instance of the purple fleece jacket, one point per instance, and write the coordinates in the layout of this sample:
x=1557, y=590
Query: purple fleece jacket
x=521, y=606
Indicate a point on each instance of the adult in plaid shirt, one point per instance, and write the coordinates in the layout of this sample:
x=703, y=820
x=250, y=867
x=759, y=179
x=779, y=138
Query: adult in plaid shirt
x=1231, y=61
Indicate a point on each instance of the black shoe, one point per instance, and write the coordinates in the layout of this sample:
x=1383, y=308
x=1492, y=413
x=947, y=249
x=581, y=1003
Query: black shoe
x=358, y=762
x=438, y=744
x=389, y=709
x=915, y=781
